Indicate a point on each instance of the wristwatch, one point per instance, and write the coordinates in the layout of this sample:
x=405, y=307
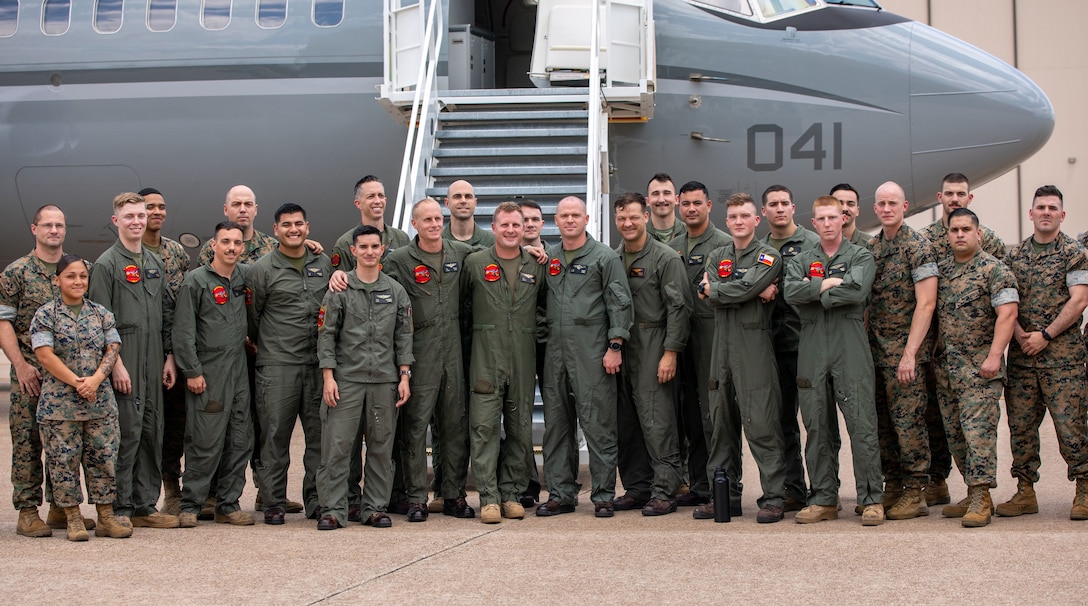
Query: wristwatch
x=1047, y=336
x=406, y=373
x=614, y=346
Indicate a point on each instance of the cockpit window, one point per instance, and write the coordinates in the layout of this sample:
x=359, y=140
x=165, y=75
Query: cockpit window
x=777, y=8
x=866, y=3
x=56, y=16
x=740, y=7
x=161, y=15
x=271, y=13
x=107, y=16
x=328, y=13
x=215, y=14
x=9, y=17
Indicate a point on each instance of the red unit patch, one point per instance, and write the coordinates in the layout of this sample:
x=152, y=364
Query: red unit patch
x=132, y=273
x=555, y=267
x=321, y=317
x=220, y=295
x=423, y=274
x=725, y=268
x=816, y=270
x=491, y=273
x=336, y=259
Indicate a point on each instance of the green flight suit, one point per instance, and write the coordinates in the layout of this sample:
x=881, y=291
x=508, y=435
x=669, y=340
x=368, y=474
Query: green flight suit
x=502, y=374
x=666, y=236
x=694, y=411
x=140, y=299
x=648, y=441
x=283, y=311
x=835, y=366
x=744, y=376
x=256, y=247
x=364, y=334
x=861, y=238
x=588, y=303
x=175, y=259
x=786, y=328
x=481, y=237
x=438, y=381
x=209, y=341
x=25, y=286
x=342, y=258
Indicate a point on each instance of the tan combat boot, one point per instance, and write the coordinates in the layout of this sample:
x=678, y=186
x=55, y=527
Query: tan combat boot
x=57, y=519
x=76, y=530
x=171, y=501
x=108, y=526
x=911, y=505
x=979, y=509
x=1022, y=502
x=873, y=515
x=1080, y=501
x=936, y=493
x=958, y=510
x=31, y=525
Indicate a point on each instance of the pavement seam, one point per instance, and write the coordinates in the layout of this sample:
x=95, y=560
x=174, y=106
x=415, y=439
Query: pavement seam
x=403, y=566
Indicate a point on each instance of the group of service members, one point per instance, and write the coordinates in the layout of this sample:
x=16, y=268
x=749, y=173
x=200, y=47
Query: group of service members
x=662, y=351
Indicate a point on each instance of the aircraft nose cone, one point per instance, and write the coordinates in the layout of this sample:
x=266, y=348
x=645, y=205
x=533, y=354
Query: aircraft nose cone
x=970, y=111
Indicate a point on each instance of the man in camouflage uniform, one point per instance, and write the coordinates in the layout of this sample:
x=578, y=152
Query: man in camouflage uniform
x=739, y=284
x=848, y=197
x=1046, y=362
x=287, y=286
x=903, y=298
x=693, y=416
x=503, y=285
x=649, y=449
x=662, y=200
x=241, y=208
x=589, y=311
x=976, y=307
x=26, y=285
x=790, y=239
x=429, y=268
x=370, y=200
x=955, y=193
x=131, y=283
x=175, y=260
x=829, y=286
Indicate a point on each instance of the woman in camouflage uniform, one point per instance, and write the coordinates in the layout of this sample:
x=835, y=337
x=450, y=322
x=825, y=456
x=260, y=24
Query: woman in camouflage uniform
x=77, y=344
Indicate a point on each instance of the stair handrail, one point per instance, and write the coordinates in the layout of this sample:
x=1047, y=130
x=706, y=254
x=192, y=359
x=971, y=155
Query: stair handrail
x=424, y=91
x=594, y=204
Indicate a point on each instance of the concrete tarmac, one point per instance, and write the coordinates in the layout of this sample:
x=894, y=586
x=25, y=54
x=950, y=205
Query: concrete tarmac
x=572, y=558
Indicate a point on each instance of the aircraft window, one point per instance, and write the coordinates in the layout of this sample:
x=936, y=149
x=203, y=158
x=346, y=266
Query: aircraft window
x=161, y=15
x=328, y=13
x=733, y=6
x=9, y=17
x=271, y=13
x=215, y=14
x=868, y=3
x=107, y=16
x=56, y=16
x=777, y=8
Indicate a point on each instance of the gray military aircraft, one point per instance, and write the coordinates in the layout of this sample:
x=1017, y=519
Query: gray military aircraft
x=105, y=96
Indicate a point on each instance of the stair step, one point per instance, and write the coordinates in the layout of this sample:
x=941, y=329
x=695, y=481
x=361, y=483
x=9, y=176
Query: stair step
x=499, y=171
x=514, y=190
x=514, y=115
x=511, y=151
x=511, y=133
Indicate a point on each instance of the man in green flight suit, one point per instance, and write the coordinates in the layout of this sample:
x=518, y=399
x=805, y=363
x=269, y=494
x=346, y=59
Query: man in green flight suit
x=504, y=286
x=370, y=200
x=429, y=268
x=649, y=449
x=739, y=283
x=851, y=210
x=589, y=312
x=662, y=200
x=133, y=285
x=829, y=286
x=287, y=287
x=210, y=337
x=693, y=418
x=364, y=347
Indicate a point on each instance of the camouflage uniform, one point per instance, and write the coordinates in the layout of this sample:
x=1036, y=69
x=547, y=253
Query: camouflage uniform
x=940, y=456
x=76, y=432
x=968, y=296
x=786, y=330
x=744, y=376
x=141, y=302
x=342, y=258
x=256, y=247
x=1053, y=379
x=693, y=414
x=25, y=286
x=904, y=441
x=175, y=259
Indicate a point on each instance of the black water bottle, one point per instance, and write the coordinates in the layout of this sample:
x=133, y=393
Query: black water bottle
x=722, y=494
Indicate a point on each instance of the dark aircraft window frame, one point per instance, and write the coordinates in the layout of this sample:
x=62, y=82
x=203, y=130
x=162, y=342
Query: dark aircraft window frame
x=9, y=18
x=107, y=14
x=157, y=13
x=323, y=9
x=216, y=10
x=52, y=12
x=271, y=14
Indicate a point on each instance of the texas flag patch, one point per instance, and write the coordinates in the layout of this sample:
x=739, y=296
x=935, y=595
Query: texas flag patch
x=766, y=259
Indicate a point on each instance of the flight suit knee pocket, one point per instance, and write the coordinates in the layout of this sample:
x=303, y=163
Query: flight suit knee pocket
x=804, y=383
x=483, y=387
x=712, y=385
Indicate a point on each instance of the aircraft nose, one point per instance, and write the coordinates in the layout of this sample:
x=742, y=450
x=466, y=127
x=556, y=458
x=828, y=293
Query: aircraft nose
x=970, y=112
